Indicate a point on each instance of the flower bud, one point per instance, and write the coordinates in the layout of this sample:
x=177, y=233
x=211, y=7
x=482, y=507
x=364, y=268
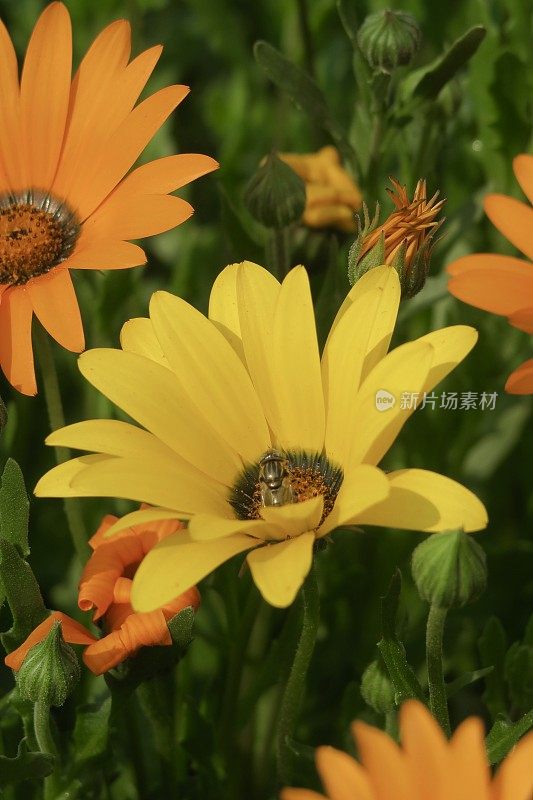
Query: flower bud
x=449, y=569
x=275, y=196
x=50, y=671
x=404, y=240
x=377, y=689
x=389, y=39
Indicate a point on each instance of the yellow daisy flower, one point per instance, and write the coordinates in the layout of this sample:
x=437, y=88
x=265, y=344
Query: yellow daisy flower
x=425, y=767
x=261, y=444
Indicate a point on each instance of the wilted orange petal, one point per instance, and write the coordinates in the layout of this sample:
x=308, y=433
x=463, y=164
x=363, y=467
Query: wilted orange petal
x=107, y=563
x=122, y=590
x=44, y=92
x=107, y=521
x=16, y=354
x=189, y=598
x=523, y=169
x=73, y=632
x=513, y=219
x=105, y=653
x=521, y=380
x=56, y=306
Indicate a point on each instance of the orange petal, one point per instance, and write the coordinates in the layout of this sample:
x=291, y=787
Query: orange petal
x=122, y=590
x=342, y=777
x=127, y=143
x=56, y=306
x=490, y=260
x=138, y=630
x=523, y=169
x=521, y=380
x=98, y=538
x=105, y=255
x=16, y=354
x=189, y=598
x=500, y=288
x=44, y=93
x=468, y=764
x=514, y=779
x=387, y=770
x=425, y=747
x=302, y=794
x=89, y=113
x=523, y=319
x=11, y=154
x=513, y=219
x=138, y=216
x=73, y=632
x=165, y=175
x=105, y=566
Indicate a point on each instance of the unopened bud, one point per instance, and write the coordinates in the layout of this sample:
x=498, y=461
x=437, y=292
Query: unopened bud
x=377, y=689
x=389, y=39
x=275, y=196
x=449, y=569
x=50, y=670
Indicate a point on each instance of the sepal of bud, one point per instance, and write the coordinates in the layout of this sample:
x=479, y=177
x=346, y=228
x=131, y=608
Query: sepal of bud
x=50, y=670
x=357, y=268
x=449, y=569
x=275, y=196
x=377, y=689
x=389, y=39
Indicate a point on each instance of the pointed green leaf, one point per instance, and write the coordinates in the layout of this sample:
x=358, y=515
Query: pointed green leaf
x=23, y=595
x=504, y=735
x=181, y=627
x=492, y=648
x=14, y=507
x=391, y=648
x=25, y=766
x=519, y=675
x=465, y=680
x=348, y=17
x=90, y=733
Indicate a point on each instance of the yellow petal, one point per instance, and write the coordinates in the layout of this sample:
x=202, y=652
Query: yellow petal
x=372, y=431
x=295, y=518
x=152, y=396
x=144, y=515
x=205, y=527
x=358, y=341
x=212, y=375
x=451, y=345
x=170, y=483
x=57, y=481
x=363, y=486
x=343, y=778
x=109, y=436
x=373, y=279
x=425, y=501
x=138, y=336
x=224, y=308
x=280, y=569
x=177, y=563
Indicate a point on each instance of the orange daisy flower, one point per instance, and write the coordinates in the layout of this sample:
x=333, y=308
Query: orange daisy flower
x=425, y=767
x=105, y=588
x=65, y=146
x=503, y=284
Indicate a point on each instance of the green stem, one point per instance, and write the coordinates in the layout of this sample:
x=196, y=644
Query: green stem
x=307, y=40
x=294, y=688
x=438, y=702
x=57, y=420
x=45, y=743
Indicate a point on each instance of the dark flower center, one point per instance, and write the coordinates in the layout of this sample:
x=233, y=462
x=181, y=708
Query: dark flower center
x=37, y=232
x=293, y=477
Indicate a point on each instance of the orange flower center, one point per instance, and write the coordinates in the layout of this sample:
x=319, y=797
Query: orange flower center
x=37, y=232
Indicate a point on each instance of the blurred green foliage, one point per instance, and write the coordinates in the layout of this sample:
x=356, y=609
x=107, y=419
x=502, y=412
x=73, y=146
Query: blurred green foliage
x=481, y=121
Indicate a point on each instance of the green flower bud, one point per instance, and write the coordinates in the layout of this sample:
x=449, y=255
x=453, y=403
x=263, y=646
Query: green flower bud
x=449, y=569
x=50, y=671
x=275, y=196
x=377, y=689
x=389, y=39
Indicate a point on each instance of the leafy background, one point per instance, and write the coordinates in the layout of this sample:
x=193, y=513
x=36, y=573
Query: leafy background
x=480, y=121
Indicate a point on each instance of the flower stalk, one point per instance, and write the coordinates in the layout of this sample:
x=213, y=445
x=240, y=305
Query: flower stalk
x=438, y=703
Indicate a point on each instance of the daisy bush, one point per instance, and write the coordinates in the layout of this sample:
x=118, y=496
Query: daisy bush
x=265, y=401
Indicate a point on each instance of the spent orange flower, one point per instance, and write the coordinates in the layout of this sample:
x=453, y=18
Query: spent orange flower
x=425, y=767
x=105, y=588
x=503, y=284
x=332, y=197
x=65, y=146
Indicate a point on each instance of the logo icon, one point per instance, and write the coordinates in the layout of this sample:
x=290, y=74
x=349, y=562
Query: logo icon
x=384, y=400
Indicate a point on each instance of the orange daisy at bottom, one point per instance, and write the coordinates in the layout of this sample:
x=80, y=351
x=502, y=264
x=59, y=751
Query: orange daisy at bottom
x=425, y=767
x=105, y=588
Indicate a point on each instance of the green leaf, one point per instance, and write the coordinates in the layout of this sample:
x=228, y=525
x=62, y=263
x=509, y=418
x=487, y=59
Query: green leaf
x=14, y=507
x=25, y=766
x=23, y=595
x=426, y=82
x=181, y=627
x=391, y=648
x=519, y=675
x=459, y=683
x=504, y=735
x=240, y=242
x=492, y=646
x=348, y=17
x=90, y=733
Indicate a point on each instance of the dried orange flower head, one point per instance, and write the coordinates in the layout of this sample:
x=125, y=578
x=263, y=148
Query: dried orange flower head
x=405, y=240
x=332, y=196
